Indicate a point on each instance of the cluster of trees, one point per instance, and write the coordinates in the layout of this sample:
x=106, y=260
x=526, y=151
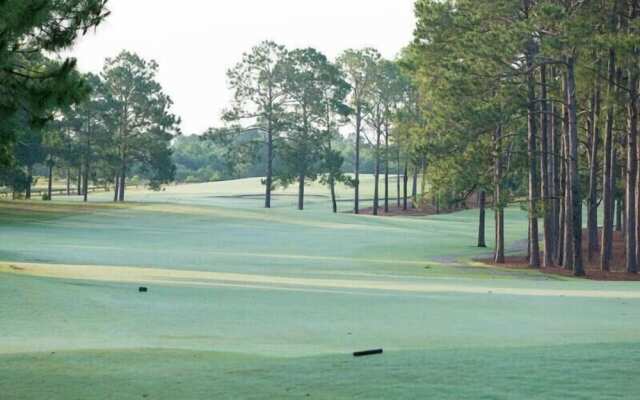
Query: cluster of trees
x=83, y=127
x=301, y=102
x=199, y=160
x=536, y=98
x=122, y=127
x=32, y=84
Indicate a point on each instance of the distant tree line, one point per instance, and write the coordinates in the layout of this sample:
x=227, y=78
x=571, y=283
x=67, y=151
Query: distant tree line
x=304, y=105
x=200, y=160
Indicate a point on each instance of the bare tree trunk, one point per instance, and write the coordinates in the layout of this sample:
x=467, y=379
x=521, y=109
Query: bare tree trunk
x=481, y=223
x=608, y=198
x=497, y=198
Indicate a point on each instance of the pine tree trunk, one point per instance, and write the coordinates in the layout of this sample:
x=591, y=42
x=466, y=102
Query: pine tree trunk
x=50, y=183
x=86, y=182
x=334, y=202
x=376, y=189
x=574, y=177
x=638, y=204
x=269, y=179
x=608, y=198
x=405, y=184
x=423, y=182
x=123, y=183
x=386, y=170
x=497, y=198
x=399, y=177
x=27, y=194
x=356, y=207
x=619, y=213
x=534, y=185
x=622, y=198
x=68, y=182
x=567, y=219
x=116, y=187
x=301, y=191
x=414, y=189
x=481, y=223
x=632, y=174
x=79, y=182
x=545, y=173
x=556, y=163
x=634, y=151
x=592, y=216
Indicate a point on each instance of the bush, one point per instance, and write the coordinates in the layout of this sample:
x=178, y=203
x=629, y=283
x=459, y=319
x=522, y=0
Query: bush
x=46, y=197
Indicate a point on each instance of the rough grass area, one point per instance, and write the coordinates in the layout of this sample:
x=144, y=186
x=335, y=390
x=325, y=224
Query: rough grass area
x=510, y=373
x=250, y=303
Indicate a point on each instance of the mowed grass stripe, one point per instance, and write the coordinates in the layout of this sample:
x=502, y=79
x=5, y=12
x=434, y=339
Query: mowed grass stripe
x=203, y=278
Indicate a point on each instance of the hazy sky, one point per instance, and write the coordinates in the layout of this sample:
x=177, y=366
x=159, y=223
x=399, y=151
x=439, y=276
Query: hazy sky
x=196, y=41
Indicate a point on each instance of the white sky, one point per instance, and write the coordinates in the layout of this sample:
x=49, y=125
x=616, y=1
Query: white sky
x=196, y=41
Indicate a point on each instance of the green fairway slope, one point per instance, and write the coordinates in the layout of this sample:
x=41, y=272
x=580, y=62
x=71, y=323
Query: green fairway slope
x=252, y=303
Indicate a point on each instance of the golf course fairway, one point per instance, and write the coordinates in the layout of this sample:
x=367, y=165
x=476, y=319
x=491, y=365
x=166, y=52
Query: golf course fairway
x=247, y=303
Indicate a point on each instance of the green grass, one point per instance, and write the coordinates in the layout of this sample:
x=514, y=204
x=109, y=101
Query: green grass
x=63, y=338
x=509, y=373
